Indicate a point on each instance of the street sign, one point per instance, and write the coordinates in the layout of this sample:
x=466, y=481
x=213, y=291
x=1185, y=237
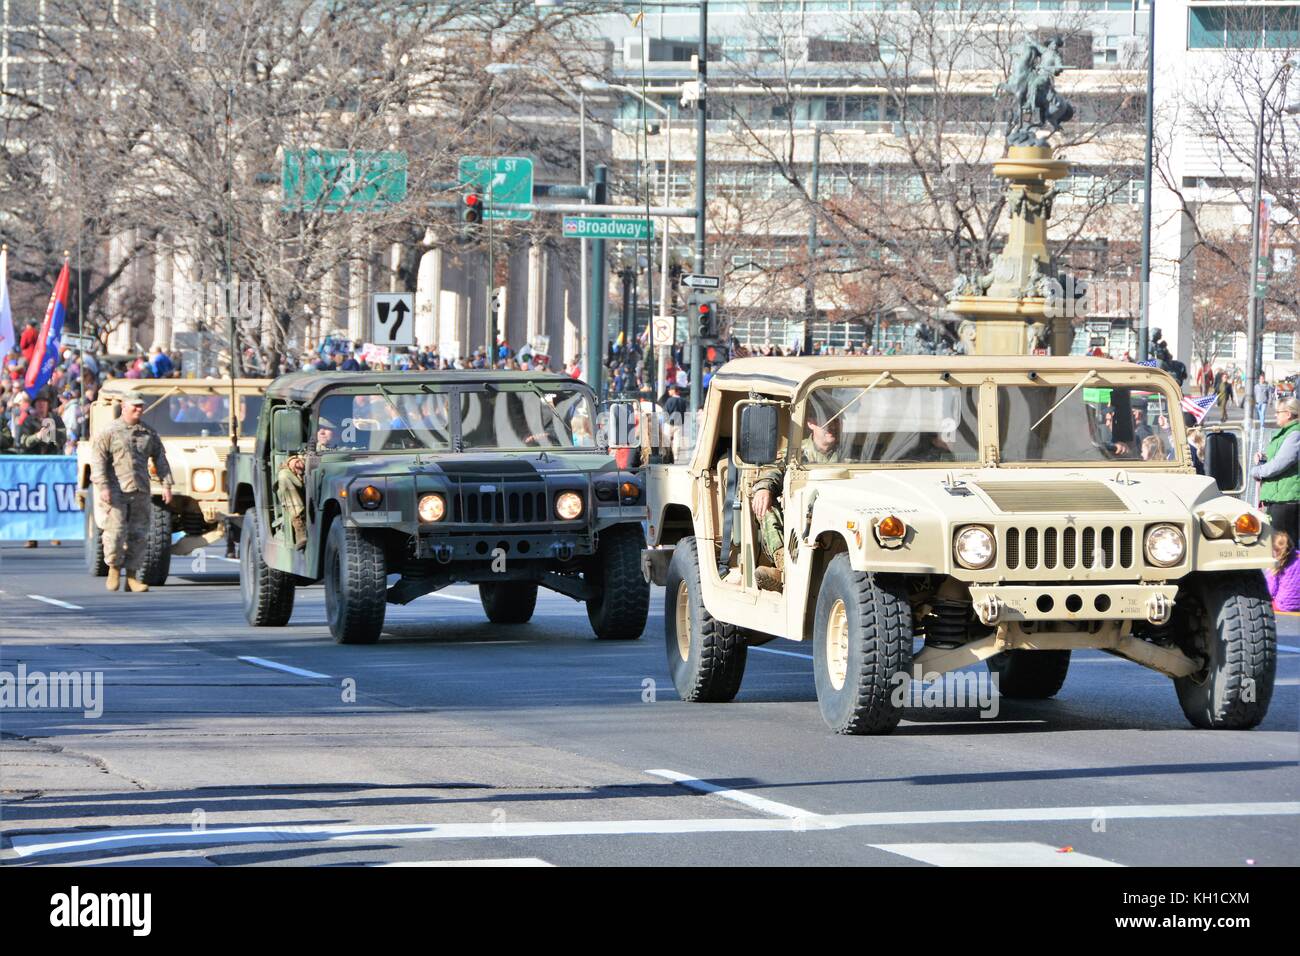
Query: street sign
x=82, y=343
x=696, y=281
x=392, y=318
x=500, y=179
x=578, y=227
x=664, y=327
x=340, y=180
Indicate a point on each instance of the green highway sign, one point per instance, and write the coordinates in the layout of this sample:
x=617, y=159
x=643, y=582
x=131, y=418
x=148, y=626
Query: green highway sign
x=340, y=180
x=501, y=179
x=579, y=227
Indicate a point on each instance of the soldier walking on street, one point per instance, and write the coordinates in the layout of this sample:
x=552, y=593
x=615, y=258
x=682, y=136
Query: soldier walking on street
x=120, y=472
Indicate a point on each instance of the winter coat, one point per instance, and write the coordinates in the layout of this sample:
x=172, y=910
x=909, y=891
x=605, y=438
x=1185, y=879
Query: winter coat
x=1285, y=587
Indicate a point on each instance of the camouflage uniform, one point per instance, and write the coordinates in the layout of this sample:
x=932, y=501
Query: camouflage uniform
x=289, y=489
x=31, y=441
x=120, y=463
x=772, y=478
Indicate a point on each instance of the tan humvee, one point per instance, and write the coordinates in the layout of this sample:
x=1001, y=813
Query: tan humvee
x=1003, y=509
x=192, y=416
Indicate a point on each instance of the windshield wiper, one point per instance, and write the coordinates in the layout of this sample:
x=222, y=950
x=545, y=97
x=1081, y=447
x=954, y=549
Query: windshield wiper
x=1092, y=373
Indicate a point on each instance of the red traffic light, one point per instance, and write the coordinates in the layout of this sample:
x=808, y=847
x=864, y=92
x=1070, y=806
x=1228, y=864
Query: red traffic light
x=471, y=199
x=473, y=208
x=704, y=310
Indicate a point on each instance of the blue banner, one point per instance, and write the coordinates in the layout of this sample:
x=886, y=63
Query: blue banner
x=38, y=498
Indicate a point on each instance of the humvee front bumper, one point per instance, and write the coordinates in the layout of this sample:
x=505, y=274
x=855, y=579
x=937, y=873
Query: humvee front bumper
x=1000, y=604
x=446, y=548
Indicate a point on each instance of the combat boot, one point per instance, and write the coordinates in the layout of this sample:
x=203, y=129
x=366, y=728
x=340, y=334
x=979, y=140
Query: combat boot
x=114, y=579
x=133, y=583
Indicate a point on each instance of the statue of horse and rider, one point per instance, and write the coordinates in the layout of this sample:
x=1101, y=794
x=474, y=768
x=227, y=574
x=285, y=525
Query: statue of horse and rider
x=1032, y=83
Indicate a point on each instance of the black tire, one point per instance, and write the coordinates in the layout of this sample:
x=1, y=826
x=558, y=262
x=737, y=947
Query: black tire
x=93, y=545
x=707, y=662
x=510, y=602
x=356, y=585
x=620, y=613
x=1231, y=624
x=876, y=630
x=1029, y=675
x=267, y=594
x=158, y=547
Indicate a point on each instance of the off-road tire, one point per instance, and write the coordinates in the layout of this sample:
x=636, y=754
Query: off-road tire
x=620, y=612
x=158, y=547
x=876, y=628
x=509, y=602
x=1029, y=675
x=356, y=585
x=707, y=663
x=1232, y=626
x=93, y=545
x=267, y=594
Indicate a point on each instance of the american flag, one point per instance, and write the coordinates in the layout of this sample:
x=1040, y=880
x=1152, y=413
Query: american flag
x=1197, y=407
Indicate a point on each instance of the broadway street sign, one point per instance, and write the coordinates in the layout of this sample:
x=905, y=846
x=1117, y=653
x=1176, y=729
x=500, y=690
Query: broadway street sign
x=578, y=227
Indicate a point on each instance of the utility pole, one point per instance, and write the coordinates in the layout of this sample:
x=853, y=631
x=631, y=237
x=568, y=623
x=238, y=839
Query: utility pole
x=594, y=364
x=1144, y=315
x=701, y=137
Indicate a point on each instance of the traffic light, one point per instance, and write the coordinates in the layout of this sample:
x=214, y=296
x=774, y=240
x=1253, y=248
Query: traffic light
x=705, y=309
x=473, y=212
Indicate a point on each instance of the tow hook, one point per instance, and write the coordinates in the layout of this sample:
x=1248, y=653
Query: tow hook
x=443, y=553
x=989, y=609
x=1159, y=609
x=563, y=550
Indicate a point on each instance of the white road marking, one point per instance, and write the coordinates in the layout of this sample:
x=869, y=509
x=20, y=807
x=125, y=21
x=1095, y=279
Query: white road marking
x=82, y=841
x=262, y=662
x=991, y=854
x=454, y=597
x=222, y=557
x=754, y=802
x=773, y=650
x=502, y=861
x=56, y=602
x=1288, y=648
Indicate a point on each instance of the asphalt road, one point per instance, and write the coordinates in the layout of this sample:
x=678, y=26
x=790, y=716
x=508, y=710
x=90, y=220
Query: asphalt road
x=456, y=740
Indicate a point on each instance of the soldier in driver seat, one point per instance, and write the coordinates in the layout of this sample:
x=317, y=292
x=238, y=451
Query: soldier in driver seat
x=822, y=446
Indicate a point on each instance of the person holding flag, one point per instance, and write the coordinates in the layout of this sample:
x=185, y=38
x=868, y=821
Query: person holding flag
x=46, y=355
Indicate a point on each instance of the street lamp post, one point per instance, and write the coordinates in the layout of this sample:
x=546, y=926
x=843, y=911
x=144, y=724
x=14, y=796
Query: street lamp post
x=1144, y=314
x=1255, y=305
x=497, y=69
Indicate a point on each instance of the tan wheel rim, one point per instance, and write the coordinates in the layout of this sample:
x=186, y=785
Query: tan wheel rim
x=837, y=645
x=683, y=621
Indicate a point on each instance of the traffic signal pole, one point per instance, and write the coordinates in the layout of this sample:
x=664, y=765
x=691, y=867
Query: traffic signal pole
x=593, y=366
x=701, y=137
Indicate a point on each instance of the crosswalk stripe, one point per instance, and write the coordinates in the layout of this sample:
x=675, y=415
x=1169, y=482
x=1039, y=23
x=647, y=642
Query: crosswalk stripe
x=991, y=854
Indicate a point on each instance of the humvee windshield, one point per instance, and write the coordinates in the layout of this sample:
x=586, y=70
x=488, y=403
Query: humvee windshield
x=1094, y=424
x=491, y=416
x=899, y=424
x=200, y=415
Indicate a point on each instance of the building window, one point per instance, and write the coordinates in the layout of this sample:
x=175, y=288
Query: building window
x=1243, y=27
x=1106, y=51
x=1283, y=347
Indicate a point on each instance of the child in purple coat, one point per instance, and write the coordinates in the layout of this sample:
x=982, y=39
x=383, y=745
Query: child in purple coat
x=1284, y=581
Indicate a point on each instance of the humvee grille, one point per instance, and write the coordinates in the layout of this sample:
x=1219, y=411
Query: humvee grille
x=507, y=506
x=1049, y=495
x=1049, y=548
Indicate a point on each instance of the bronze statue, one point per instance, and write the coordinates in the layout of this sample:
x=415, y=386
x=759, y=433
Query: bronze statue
x=1032, y=83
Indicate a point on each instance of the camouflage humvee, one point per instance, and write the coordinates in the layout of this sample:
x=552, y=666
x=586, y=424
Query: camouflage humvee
x=491, y=478
x=192, y=416
x=1005, y=510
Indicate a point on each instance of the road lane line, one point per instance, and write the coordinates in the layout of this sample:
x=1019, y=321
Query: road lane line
x=773, y=650
x=991, y=854
x=82, y=841
x=262, y=662
x=1288, y=647
x=56, y=602
x=500, y=861
x=454, y=597
x=753, y=801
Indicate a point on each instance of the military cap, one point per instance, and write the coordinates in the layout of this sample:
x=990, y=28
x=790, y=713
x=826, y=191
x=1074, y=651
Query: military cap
x=134, y=398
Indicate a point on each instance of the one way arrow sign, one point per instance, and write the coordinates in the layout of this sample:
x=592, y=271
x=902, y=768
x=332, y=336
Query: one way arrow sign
x=392, y=318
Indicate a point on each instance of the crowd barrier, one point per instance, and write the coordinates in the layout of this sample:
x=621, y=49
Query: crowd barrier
x=38, y=498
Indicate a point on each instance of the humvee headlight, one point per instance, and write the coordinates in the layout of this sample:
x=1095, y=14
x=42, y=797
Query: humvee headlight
x=568, y=505
x=370, y=497
x=203, y=480
x=974, y=548
x=432, y=508
x=1247, y=525
x=1165, y=545
x=891, y=527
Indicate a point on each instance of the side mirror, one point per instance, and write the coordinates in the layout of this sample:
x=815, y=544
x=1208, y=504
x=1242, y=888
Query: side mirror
x=1223, y=460
x=759, y=437
x=287, y=430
